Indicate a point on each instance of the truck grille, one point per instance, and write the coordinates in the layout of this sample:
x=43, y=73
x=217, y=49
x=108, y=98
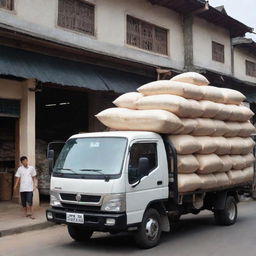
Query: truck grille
x=78, y=207
x=84, y=198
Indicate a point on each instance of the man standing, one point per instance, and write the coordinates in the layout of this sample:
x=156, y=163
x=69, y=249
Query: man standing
x=26, y=176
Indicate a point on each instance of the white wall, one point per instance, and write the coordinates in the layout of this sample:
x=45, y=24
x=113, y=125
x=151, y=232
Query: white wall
x=203, y=35
x=110, y=23
x=10, y=89
x=240, y=56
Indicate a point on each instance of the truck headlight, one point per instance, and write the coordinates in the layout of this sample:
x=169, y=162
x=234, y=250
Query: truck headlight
x=114, y=203
x=54, y=199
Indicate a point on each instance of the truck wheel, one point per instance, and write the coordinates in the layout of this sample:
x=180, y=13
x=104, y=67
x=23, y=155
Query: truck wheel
x=149, y=232
x=228, y=215
x=79, y=234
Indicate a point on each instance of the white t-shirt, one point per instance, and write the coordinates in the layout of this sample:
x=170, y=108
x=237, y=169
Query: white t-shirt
x=25, y=175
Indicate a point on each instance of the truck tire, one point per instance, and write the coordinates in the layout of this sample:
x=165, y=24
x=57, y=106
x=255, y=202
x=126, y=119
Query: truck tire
x=149, y=232
x=79, y=234
x=228, y=215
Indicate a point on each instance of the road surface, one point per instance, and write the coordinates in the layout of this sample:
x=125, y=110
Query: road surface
x=194, y=236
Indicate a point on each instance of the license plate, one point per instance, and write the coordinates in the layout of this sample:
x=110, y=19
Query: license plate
x=75, y=218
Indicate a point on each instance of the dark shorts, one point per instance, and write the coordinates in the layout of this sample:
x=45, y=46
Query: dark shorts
x=26, y=198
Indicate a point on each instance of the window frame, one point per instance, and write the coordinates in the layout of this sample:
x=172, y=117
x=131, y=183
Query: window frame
x=11, y=9
x=155, y=26
x=156, y=155
x=248, y=72
x=76, y=30
x=214, y=58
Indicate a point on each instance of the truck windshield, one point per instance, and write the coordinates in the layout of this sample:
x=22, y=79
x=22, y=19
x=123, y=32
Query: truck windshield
x=91, y=157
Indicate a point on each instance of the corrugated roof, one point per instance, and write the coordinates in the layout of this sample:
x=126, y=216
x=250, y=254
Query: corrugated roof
x=212, y=15
x=246, y=43
x=47, y=69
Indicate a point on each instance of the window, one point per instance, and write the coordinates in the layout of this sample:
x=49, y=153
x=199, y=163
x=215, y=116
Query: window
x=217, y=52
x=138, y=150
x=250, y=68
x=76, y=15
x=6, y=4
x=146, y=36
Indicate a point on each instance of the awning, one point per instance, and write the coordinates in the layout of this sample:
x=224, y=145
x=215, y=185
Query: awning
x=47, y=69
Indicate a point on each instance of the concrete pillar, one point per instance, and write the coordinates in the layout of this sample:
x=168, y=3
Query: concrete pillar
x=188, y=42
x=27, y=127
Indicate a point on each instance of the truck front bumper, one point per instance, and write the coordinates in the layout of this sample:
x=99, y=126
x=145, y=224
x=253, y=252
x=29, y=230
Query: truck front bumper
x=96, y=221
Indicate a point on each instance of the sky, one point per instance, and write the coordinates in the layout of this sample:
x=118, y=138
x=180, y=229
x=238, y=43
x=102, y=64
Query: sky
x=242, y=10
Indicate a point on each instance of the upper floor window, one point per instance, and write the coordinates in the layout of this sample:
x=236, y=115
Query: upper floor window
x=6, y=4
x=250, y=68
x=76, y=15
x=146, y=36
x=217, y=52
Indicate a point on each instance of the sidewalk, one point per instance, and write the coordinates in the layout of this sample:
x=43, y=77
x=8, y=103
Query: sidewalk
x=12, y=219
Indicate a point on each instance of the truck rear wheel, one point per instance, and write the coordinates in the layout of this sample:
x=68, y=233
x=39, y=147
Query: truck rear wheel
x=228, y=215
x=79, y=234
x=149, y=232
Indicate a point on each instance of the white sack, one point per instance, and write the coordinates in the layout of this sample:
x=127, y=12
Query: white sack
x=205, y=127
x=173, y=103
x=208, y=181
x=249, y=160
x=238, y=162
x=209, y=108
x=222, y=179
x=220, y=128
x=188, y=182
x=249, y=143
x=192, y=78
x=248, y=174
x=128, y=100
x=186, y=90
x=184, y=144
x=195, y=109
x=189, y=125
x=232, y=96
x=208, y=144
x=209, y=163
x=240, y=113
x=238, y=145
x=187, y=163
x=159, y=121
x=236, y=176
x=227, y=163
x=234, y=128
x=223, y=146
x=224, y=112
x=247, y=129
x=213, y=93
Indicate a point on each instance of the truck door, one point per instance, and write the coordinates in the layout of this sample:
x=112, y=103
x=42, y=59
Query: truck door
x=142, y=188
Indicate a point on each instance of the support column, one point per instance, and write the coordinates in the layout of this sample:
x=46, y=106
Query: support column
x=188, y=42
x=27, y=127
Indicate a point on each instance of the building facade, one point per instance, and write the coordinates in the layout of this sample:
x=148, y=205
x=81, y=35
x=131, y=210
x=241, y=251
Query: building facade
x=62, y=61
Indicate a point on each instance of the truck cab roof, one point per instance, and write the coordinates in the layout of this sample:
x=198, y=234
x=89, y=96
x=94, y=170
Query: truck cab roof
x=130, y=135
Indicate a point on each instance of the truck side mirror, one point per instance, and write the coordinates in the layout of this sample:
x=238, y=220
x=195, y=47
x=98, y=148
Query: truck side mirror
x=50, y=157
x=143, y=167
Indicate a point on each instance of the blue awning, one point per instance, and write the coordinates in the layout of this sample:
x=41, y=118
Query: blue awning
x=47, y=69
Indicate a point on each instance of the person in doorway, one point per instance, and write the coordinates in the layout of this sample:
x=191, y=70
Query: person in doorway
x=26, y=176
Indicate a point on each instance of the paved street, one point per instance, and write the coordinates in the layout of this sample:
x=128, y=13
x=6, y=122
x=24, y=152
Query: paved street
x=195, y=236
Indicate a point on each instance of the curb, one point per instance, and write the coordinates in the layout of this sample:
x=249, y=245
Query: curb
x=23, y=229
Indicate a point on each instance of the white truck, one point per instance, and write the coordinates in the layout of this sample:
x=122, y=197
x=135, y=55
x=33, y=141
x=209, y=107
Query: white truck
x=126, y=181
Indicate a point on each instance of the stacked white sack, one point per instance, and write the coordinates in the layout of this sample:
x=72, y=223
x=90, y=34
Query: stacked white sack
x=210, y=117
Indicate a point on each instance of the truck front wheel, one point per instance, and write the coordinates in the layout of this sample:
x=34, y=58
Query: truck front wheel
x=79, y=234
x=149, y=232
x=228, y=215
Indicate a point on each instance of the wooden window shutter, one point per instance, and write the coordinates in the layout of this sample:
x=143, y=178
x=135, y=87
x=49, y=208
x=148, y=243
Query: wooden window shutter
x=250, y=68
x=146, y=36
x=6, y=4
x=76, y=15
x=218, y=52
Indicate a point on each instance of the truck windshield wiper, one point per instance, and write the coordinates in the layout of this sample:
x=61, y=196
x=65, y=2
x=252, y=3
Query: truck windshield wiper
x=65, y=169
x=95, y=170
